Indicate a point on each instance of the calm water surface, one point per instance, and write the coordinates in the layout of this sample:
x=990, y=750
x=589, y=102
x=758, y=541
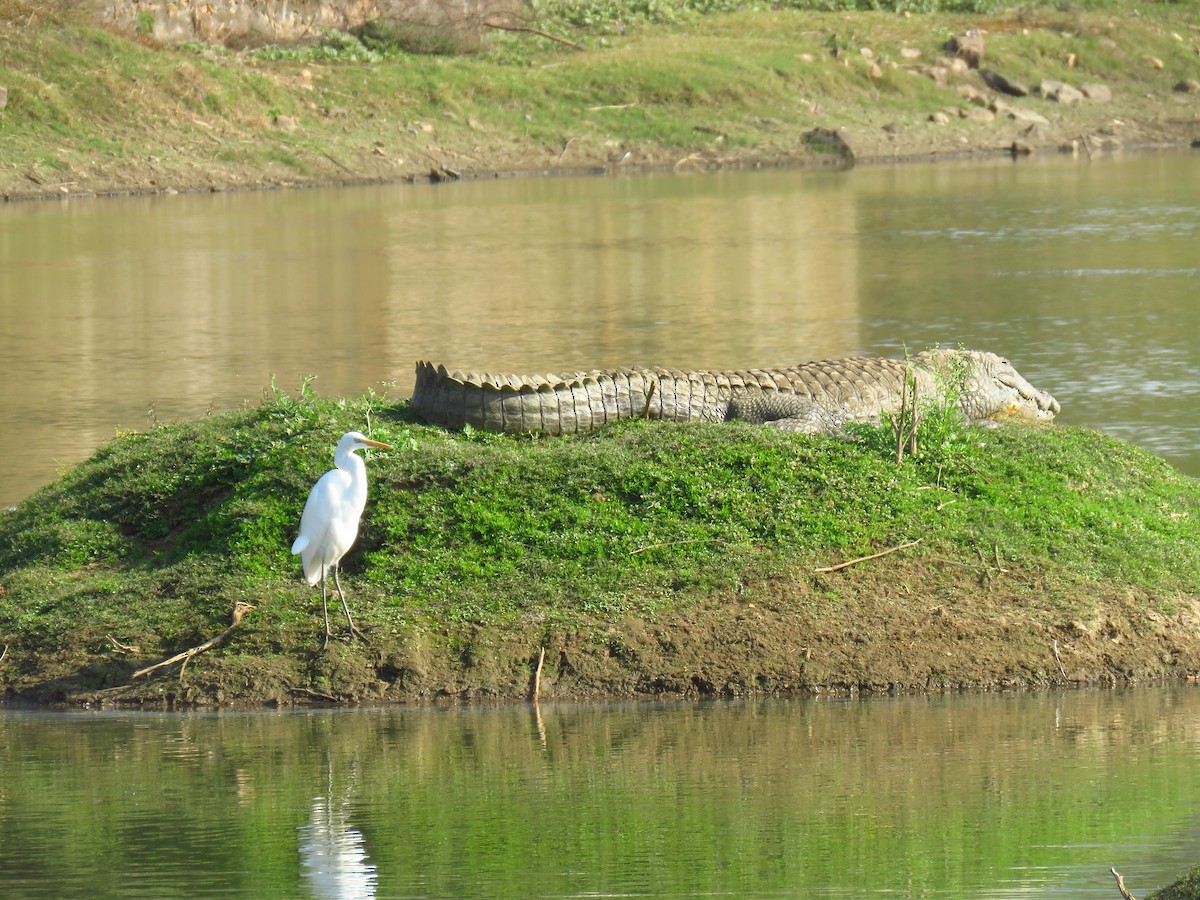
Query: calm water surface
x=118, y=313
x=968, y=797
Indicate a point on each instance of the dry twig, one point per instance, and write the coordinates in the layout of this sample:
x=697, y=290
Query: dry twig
x=854, y=562
x=123, y=648
x=649, y=396
x=539, y=33
x=898, y=421
x=240, y=610
x=1058, y=659
x=1121, y=885
x=537, y=676
x=316, y=695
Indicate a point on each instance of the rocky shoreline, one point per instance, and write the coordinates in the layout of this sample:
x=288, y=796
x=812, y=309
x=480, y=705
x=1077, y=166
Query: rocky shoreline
x=985, y=91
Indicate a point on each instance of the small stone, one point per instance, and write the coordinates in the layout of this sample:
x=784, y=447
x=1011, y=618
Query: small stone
x=939, y=74
x=1154, y=61
x=1096, y=93
x=958, y=66
x=1188, y=86
x=971, y=94
x=305, y=75
x=806, y=57
x=967, y=47
x=939, y=118
x=827, y=140
x=875, y=73
x=980, y=114
x=286, y=123
x=1072, y=59
x=910, y=53
x=3, y=97
x=998, y=82
x=1026, y=116
x=867, y=52
x=1059, y=91
x=1037, y=133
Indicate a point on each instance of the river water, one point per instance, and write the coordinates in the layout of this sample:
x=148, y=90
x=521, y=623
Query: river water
x=116, y=314
x=995, y=796
x=119, y=313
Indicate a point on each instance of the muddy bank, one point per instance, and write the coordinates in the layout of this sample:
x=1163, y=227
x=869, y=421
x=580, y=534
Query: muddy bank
x=917, y=626
x=1087, y=139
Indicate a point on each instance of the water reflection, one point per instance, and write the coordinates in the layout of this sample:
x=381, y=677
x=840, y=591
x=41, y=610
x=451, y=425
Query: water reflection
x=970, y=797
x=333, y=852
x=118, y=313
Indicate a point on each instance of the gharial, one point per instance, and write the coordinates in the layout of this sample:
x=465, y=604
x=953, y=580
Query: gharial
x=816, y=397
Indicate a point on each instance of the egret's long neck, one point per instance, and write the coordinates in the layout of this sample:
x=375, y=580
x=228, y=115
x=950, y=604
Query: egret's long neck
x=352, y=464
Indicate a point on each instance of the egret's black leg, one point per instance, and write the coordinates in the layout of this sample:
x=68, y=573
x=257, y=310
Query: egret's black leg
x=325, y=610
x=354, y=629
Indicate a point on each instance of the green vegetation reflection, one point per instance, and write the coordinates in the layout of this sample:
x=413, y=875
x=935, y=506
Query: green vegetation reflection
x=960, y=797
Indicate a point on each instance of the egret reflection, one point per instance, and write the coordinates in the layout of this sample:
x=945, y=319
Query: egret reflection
x=333, y=853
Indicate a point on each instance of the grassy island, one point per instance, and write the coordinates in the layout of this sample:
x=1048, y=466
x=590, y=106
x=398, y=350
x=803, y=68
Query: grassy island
x=644, y=559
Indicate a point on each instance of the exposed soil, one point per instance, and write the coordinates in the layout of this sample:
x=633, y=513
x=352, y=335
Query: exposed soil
x=887, y=626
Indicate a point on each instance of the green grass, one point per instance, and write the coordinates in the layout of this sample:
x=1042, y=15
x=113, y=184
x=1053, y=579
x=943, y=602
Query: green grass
x=733, y=80
x=159, y=533
x=1186, y=888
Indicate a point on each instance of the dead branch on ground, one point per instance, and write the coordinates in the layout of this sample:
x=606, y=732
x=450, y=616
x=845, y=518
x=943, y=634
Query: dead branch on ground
x=854, y=562
x=240, y=610
x=122, y=648
x=537, y=31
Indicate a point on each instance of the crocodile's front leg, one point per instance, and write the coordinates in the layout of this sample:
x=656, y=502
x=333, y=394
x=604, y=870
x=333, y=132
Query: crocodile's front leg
x=788, y=412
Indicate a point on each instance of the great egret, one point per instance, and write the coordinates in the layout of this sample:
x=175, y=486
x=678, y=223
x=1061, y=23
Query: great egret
x=329, y=524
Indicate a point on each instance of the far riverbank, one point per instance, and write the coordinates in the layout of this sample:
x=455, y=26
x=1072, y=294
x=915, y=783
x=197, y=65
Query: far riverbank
x=91, y=112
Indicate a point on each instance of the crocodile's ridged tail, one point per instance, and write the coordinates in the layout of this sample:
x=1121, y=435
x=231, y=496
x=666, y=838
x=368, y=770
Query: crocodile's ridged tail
x=554, y=404
x=567, y=404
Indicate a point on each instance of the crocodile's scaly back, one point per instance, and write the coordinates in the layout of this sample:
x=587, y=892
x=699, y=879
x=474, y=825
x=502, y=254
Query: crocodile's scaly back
x=817, y=396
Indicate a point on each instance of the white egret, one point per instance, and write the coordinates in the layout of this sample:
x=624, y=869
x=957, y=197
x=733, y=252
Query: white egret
x=329, y=524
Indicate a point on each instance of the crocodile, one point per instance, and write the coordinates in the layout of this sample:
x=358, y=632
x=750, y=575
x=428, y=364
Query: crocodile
x=814, y=397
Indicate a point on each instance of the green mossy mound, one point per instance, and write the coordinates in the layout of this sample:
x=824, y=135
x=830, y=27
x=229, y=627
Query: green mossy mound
x=644, y=559
x=1186, y=888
